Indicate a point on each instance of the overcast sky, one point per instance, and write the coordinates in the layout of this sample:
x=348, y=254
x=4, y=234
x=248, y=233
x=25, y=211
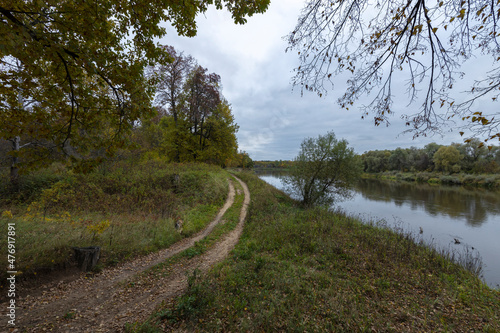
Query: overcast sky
x=256, y=76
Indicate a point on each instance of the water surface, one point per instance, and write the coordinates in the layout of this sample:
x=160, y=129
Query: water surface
x=453, y=218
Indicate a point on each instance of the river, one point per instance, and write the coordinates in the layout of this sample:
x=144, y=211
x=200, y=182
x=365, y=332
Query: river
x=451, y=218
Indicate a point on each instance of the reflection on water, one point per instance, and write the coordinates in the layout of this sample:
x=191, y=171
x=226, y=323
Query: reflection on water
x=444, y=213
x=456, y=202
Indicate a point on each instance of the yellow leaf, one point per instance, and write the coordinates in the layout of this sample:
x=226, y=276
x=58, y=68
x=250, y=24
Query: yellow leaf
x=462, y=13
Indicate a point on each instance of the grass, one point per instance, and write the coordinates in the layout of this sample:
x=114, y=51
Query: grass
x=127, y=209
x=227, y=223
x=314, y=270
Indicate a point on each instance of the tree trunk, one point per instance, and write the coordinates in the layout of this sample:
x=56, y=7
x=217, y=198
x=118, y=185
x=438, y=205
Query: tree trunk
x=87, y=257
x=14, y=172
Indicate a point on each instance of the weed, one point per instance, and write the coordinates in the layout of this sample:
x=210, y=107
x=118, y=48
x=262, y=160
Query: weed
x=69, y=315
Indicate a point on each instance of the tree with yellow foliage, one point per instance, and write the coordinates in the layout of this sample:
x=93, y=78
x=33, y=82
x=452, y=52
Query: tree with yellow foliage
x=68, y=69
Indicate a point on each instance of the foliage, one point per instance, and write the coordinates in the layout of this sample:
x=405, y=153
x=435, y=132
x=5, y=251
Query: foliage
x=171, y=78
x=194, y=122
x=472, y=158
x=273, y=164
x=243, y=160
x=446, y=158
x=426, y=42
x=72, y=73
x=214, y=143
x=323, y=171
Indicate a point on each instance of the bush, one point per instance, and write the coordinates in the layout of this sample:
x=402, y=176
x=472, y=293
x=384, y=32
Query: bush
x=433, y=181
x=449, y=180
x=408, y=177
x=29, y=186
x=422, y=177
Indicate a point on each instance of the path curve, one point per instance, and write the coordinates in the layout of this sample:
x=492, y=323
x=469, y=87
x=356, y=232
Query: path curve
x=104, y=304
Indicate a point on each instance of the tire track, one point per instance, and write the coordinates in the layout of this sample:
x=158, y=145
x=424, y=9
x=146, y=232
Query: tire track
x=105, y=304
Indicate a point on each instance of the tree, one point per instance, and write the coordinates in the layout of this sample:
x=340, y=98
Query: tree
x=426, y=41
x=446, y=158
x=472, y=151
x=72, y=73
x=324, y=170
x=170, y=79
x=244, y=160
x=399, y=160
x=376, y=161
x=201, y=98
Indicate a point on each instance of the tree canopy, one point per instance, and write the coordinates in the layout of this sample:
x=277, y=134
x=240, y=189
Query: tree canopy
x=195, y=122
x=470, y=157
x=324, y=170
x=426, y=42
x=72, y=72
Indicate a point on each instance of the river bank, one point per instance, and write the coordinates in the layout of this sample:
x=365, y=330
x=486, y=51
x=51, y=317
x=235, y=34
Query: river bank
x=298, y=269
x=462, y=220
x=489, y=181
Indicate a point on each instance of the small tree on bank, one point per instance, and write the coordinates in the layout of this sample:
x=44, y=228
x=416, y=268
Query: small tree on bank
x=323, y=171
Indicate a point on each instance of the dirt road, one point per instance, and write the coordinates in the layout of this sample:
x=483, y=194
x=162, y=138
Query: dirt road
x=105, y=302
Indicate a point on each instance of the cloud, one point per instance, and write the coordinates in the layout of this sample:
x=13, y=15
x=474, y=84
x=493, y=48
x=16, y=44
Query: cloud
x=256, y=74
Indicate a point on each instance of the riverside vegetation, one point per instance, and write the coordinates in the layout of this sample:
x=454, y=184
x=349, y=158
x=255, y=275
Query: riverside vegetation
x=468, y=164
x=489, y=181
x=298, y=269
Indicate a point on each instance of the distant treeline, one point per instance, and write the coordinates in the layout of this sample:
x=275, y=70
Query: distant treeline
x=471, y=157
x=272, y=164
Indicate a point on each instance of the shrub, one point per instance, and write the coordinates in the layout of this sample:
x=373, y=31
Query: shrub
x=433, y=181
x=422, y=177
x=449, y=180
x=408, y=177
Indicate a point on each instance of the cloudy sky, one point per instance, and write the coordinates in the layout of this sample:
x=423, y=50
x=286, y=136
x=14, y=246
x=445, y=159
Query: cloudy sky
x=256, y=73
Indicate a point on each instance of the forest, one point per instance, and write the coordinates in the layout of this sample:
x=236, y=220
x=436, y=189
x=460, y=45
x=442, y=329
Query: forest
x=470, y=157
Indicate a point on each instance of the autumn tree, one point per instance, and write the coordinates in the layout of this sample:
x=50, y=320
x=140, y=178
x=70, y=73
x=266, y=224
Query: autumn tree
x=80, y=67
x=244, y=160
x=447, y=158
x=219, y=142
x=170, y=79
x=200, y=125
x=420, y=43
x=324, y=170
x=201, y=99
